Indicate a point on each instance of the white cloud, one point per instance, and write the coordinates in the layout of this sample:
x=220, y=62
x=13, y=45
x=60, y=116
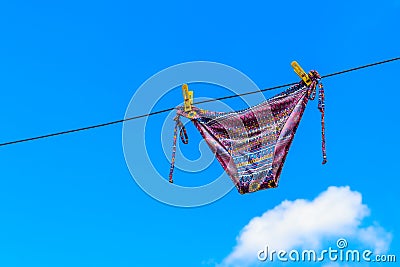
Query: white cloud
x=336, y=212
x=377, y=236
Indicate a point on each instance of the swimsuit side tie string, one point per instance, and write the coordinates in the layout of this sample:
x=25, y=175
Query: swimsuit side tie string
x=184, y=138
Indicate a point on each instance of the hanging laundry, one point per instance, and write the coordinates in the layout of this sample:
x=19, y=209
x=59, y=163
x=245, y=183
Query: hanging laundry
x=252, y=144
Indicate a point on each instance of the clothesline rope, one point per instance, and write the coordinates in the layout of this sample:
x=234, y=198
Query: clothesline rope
x=195, y=103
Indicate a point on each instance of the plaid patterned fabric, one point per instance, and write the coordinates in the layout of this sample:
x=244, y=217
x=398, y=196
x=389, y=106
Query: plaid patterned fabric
x=251, y=145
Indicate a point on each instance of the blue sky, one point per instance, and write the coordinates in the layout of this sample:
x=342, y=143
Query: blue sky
x=70, y=200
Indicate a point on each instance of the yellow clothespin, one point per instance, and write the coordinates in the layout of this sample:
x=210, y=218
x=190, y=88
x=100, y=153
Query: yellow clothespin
x=299, y=71
x=188, y=97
